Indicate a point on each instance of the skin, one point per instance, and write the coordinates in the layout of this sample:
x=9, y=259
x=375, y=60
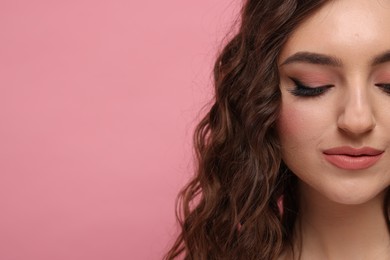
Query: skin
x=341, y=214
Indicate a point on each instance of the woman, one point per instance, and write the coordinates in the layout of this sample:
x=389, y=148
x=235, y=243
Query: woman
x=293, y=156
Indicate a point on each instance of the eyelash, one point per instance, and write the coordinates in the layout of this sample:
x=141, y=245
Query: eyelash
x=385, y=87
x=301, y=90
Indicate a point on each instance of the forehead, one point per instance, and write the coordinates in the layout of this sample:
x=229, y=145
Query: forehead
x=353, y=30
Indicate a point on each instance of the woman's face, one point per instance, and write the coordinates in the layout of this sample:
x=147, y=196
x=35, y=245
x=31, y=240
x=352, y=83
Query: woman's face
x=334, y=124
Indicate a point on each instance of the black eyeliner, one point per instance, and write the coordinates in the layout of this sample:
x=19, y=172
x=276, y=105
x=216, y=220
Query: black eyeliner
x=385, y=87
x=302, y=90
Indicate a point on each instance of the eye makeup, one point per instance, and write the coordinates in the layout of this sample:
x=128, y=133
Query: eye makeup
x=382, y=76
x=384, y=86
x=303, y=90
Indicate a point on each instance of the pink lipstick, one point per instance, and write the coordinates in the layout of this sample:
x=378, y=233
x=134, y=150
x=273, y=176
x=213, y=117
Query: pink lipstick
x=349, y=158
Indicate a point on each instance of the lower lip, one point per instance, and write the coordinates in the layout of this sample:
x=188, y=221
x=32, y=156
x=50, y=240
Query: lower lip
x=352, y=162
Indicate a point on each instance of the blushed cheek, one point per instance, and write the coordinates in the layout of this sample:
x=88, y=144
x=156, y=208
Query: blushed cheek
x=298, y=132
x=300, y=123
x=293, y=135
x=289, y=123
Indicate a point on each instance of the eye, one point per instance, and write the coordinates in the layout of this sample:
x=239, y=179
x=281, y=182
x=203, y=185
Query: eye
x=302, y=90
x=384, y=86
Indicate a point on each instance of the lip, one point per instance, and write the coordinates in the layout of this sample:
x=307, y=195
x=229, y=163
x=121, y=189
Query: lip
x=349, y=158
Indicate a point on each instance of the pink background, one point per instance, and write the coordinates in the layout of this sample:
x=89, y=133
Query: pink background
x=98, y=100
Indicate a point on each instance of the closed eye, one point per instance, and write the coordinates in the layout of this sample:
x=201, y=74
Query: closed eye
x=302, y=90
x=384, y=86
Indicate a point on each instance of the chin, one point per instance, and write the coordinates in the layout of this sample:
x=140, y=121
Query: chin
x=341, y=191
x=351, y=198
x=353, y=193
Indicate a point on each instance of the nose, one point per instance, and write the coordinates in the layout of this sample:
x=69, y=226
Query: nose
x=357, y=115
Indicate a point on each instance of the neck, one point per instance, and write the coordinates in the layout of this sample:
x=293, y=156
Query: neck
x=330, y=230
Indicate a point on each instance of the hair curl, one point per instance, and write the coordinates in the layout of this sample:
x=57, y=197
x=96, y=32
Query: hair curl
x=230, y=209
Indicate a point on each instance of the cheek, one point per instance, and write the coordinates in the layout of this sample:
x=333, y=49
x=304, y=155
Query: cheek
x=291, y=129
x=291, y=124
x=297, y=135
x=301, y=129
x=300, y=123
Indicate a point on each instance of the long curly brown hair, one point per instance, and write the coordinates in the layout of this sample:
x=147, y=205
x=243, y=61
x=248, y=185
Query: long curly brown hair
x=231, y=208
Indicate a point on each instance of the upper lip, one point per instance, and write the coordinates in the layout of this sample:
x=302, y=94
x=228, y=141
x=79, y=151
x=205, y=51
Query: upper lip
x=347, y=150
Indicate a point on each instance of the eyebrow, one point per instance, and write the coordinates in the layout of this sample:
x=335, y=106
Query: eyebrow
x=322, y=59
x=314, y=58
x=381, y=58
